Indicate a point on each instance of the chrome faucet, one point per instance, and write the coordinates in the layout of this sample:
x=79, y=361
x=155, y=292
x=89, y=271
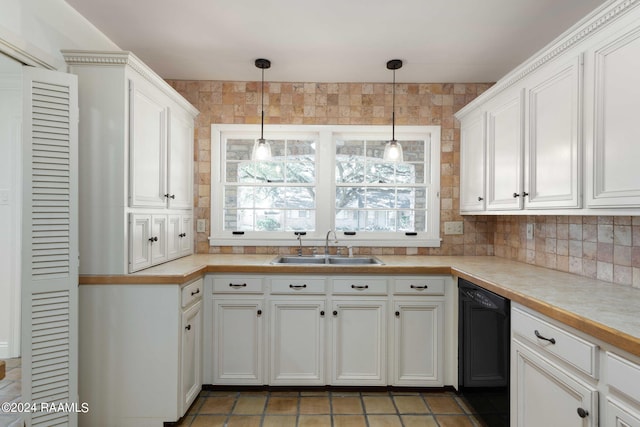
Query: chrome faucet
x=300, y=234
x=326, y=241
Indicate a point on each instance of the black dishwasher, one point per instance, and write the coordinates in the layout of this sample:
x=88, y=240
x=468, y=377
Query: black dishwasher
x=483, y=352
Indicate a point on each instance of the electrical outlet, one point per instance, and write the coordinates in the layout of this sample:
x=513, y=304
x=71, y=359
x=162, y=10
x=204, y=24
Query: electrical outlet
x=453, y=227
x=201, y=225
x=529, y=231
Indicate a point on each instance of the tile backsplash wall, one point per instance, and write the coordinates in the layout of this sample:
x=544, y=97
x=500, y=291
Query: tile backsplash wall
x=600, y=247
x=224, y=102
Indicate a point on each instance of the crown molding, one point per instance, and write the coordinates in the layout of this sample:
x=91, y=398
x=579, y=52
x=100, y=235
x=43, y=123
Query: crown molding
x=126, y=59
x=587, y=27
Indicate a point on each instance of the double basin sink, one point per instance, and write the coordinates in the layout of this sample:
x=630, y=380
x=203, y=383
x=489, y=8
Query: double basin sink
x=326, y=260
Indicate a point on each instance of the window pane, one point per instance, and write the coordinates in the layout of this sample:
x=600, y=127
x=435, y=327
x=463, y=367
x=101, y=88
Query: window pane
x=375, y=150
x=277, y=148
x=269, y=220
x=301, y=197
x=300, y=220
x=350, y=220
x=381, y=220
x=406, y=198
x=413, y=151
x=380, y=198
x=238, y=219
x=349, y=161
x=410, y=173
x=270, y=197
x=239, y=149
x=349, y=197
x=380, y=172
x=300, y=170
x=268, y=172
x=420, y=199
x=245, y=197
x=230, y=197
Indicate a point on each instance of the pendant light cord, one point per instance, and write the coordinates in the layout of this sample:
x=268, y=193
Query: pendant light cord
x=393, y=112
x=262, y=102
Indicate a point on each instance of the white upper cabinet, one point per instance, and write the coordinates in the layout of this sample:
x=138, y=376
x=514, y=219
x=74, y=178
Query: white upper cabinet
x=612, y=67
x=136, y=159
x=147, y=127
x=561, y=129
x=552, y=168
x=504, y=150
x=472, y=163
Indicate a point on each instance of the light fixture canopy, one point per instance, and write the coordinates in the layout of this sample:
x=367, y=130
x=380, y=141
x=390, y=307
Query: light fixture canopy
x=393, y=149
x=261, y=148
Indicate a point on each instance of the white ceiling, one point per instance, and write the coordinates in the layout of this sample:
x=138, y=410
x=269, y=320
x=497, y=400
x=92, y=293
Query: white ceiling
x=334, y=40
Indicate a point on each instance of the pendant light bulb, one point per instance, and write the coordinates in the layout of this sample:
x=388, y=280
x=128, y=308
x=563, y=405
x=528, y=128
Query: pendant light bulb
x=393, y=149
x=261, y=148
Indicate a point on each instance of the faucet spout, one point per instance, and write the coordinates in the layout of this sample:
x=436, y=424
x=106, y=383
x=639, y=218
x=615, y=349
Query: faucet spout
x=326, y=241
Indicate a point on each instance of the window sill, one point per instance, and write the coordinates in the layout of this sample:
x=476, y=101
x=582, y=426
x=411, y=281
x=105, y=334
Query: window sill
x=397, y=242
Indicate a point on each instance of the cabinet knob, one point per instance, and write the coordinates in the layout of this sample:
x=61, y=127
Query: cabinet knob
x=480, y=198
x=583, y=413
x=153, y=239
x=397, y=314
x=173, y=196
x=525, y=194
x=322, y=313
x=335, y=312
x=182, y=235
x=188, y=327
x=170, y=196
x=259, y=312
x=516, y=195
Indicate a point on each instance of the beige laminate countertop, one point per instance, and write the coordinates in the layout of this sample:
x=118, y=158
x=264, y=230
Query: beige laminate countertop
x=603, y=310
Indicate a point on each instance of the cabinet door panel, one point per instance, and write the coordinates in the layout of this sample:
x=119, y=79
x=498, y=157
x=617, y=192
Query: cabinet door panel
x=237, y=342
x=553, y=168
x=159, y=234
x=612, y=157
x=147, y=167
x=297, y=338
x=173, y=236
x=545, y=395
x=186, y=229
x=504, y=157
x=359, y=343
x=472, y=164
x=139, y=244
x=191, y=370
x=418, y=343
x=621, y=415
x=180, y=161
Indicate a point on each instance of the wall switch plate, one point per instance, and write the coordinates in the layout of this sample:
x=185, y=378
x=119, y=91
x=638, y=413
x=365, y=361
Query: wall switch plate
x=201, y=225
x=453, y=227
x=529, y=231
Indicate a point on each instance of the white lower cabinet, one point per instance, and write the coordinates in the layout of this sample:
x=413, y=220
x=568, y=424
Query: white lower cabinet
x=545, y=394
x=238, y=341
x=418, y=343
x=359, y=332
x=191, y=364
x=297, y=342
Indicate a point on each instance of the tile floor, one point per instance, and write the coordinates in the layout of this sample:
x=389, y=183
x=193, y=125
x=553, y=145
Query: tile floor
x=329, y=409
x=11, y=390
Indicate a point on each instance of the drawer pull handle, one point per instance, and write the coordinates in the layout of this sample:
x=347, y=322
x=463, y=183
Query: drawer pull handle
x=196, y=292
x=238, y=285
x=583, y=413
x=359, y=286
x=419, y=287
x=551, y=340
x=188, y=327
x=297, y=286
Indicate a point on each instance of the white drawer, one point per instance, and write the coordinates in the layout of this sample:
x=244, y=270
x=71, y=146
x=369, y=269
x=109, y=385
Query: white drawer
x=359, y=286
x=419, y=286
x=623, y=375
x=574, y=350
x=192, y=292
x=297, y=285
x=238, y=285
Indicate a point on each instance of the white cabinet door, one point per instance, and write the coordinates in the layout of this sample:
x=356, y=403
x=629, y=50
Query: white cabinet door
x=186, y=235
x=418, y=345
x=553, y=161
x=504, y=151
x=359, y=342
x=297, y=342
x=140, y=243
x=174, y=236
x=543, y=394
x=472, y=163
x=147, y=165
x=180, y=161
x=238, y=342
x=611, y=114
x=191, y=363
x=618, y=414
x=158, y=239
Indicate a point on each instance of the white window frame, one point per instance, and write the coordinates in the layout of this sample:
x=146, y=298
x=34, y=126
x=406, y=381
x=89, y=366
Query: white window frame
x=325, y=186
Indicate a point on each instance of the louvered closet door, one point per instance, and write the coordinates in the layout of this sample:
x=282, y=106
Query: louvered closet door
x=50, y=239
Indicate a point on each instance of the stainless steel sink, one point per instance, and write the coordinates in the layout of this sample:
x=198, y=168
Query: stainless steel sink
x=331, y=259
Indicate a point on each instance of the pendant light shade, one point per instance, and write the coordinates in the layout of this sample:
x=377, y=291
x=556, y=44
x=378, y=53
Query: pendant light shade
x=261, y=148
x=393, y=149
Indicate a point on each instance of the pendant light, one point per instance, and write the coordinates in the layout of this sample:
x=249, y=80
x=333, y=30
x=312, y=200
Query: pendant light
x=393, y=149
x=261, y=148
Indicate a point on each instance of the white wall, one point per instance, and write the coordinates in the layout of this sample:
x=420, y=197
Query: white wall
x=41, y=28
x=33, y=32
